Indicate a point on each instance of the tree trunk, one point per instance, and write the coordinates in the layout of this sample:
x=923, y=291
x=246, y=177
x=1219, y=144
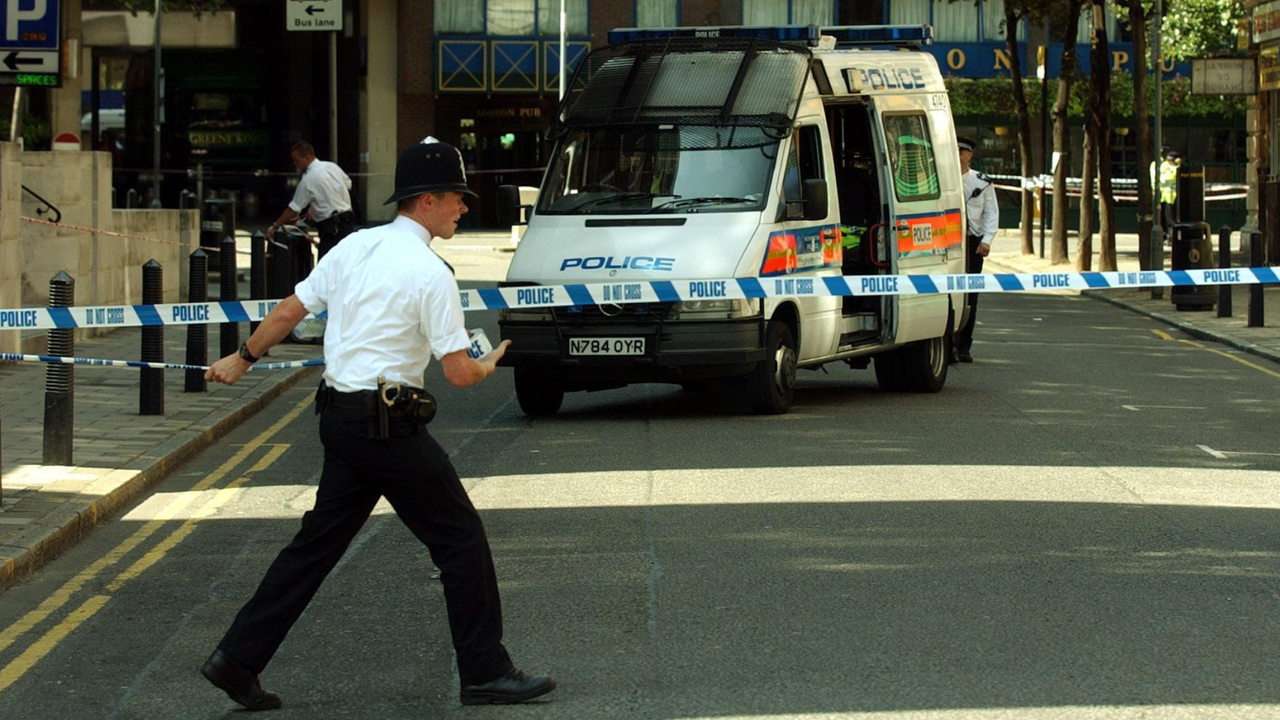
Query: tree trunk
x=1062, y=134
x=1142, y=134
x=1100, y=116
x=1011, y=21
x=1084, y=250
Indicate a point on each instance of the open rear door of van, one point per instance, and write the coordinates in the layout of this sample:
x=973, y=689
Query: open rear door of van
x=925, y=234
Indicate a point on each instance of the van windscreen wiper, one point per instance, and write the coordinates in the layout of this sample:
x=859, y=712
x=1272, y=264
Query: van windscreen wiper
x=621, y=197
x=695, y=201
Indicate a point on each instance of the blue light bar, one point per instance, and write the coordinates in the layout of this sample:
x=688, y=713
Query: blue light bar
x=895, y=35
x=807, y=34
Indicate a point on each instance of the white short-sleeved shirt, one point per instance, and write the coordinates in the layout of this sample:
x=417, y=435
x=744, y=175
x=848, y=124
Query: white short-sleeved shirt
x=325, y=187
x=392, y=302
x=980, y=202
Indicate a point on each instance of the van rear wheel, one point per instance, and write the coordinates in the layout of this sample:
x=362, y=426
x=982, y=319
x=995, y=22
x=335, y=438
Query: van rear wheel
x=538, y=397
x=771, y=386
x=924, y=365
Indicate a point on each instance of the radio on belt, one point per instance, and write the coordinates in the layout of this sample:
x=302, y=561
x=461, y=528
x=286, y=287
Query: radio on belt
x=480, y=345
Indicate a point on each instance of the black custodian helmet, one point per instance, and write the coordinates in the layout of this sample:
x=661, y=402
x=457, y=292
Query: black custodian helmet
x=429, y=166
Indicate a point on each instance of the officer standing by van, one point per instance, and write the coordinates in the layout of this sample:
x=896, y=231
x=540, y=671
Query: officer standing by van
x=326, y=189
x=984, y=219
x=394, y=304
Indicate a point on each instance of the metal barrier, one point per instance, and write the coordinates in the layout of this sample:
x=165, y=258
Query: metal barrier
x=1256, y=253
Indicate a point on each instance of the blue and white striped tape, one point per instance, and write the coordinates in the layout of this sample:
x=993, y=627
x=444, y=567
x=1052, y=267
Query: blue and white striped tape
x=99, y=362
x=648, y=291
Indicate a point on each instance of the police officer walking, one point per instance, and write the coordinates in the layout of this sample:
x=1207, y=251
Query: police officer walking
x=392, y=304
x=327, y=190
x=984, y=220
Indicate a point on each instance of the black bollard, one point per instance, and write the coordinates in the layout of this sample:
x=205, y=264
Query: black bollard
x=131, y=198
x=198, y=334
x=257, y=271
x=283, y=263
x=1224, y=263
x=230, y=333
x=1256, y=252
x=151, y=389
x=60, y=380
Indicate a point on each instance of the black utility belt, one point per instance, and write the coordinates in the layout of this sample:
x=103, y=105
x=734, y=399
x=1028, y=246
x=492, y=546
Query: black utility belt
x=389, y=401
x=334, y=219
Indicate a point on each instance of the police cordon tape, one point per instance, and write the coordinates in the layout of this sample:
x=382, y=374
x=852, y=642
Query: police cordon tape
x=651, y=291
x=99, y=362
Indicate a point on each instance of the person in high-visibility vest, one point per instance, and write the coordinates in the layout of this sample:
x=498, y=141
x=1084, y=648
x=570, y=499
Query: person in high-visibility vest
x=1168, y=185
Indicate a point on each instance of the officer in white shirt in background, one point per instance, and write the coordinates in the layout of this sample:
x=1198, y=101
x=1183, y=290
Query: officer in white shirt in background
x=392, y=304
x=984, y=220
x=326, y=189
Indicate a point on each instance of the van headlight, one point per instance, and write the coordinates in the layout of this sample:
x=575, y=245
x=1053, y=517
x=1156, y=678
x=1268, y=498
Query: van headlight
x=714, y=309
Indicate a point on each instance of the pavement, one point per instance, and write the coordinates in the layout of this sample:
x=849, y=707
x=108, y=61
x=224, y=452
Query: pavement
x=118, y=454
x=1205, y=324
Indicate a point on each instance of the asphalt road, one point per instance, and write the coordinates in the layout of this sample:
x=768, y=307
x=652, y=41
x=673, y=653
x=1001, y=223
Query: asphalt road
x=1073, y=528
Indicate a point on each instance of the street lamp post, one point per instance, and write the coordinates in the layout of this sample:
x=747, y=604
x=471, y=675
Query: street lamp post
x=156, y=116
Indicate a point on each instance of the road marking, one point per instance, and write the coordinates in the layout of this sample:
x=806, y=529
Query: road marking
x=63, y=595
x=1136, y=408
x=1162, y=334
x=1211, y=451
x=1242, y=361
x=152, y=556
x=1222, y=454
x=37, y=651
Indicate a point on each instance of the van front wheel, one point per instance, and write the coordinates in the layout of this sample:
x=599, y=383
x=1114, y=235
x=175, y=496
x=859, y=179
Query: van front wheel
x=538, y=397
x=771, y=386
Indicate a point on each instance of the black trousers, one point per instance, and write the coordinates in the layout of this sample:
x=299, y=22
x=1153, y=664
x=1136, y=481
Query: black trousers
x=972, y=264
x=415, y=475
x=333, y=229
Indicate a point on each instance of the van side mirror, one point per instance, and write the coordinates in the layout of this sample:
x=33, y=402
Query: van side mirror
x=510, y=211
x=815, y=199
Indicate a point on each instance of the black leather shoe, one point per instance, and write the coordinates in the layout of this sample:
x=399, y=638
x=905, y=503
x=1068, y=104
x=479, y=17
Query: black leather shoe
x=238, y=682
x=966, y=357
x=514, y=687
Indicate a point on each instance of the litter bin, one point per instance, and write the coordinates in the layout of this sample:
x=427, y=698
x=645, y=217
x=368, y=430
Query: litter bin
x=1192, y=250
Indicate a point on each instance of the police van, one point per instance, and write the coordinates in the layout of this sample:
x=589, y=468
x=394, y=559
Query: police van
x=739, y=152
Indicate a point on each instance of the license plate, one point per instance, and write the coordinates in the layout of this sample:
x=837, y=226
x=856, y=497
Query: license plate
x=606, y=346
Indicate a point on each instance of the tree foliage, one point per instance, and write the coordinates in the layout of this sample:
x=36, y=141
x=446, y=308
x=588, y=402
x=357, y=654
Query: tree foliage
x=990, y=98
x=1196, y=28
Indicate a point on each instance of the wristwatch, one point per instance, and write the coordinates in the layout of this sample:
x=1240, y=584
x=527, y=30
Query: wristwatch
x=244, y=353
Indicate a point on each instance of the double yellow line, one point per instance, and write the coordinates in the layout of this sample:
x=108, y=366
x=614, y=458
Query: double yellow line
x=10, y=673
x=1166, y=336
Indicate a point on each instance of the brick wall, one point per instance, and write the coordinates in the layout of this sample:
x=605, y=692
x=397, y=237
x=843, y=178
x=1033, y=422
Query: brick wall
x=416, y=105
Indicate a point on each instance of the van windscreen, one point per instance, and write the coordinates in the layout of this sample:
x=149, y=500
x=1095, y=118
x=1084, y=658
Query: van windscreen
x=657, y=169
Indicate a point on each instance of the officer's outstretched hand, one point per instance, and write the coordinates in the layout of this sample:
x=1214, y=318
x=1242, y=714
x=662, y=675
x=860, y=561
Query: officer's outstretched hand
x=227, y=370
x=492, y=357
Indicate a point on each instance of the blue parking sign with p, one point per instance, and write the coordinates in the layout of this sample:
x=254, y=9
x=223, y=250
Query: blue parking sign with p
x=29, y=24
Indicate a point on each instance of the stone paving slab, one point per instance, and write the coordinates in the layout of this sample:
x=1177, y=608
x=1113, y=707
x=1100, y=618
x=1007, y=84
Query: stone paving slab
x=118, y=454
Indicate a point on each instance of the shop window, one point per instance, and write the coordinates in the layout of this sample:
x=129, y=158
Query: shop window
x=520, y=18
x=790, y=12
x=915, y=173
x=860, y=12
x=657, y=13
x=459, y=16
x=575, y=17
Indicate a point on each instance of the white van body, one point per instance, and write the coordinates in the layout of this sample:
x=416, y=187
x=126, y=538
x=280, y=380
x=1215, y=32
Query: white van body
x=874, y=125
